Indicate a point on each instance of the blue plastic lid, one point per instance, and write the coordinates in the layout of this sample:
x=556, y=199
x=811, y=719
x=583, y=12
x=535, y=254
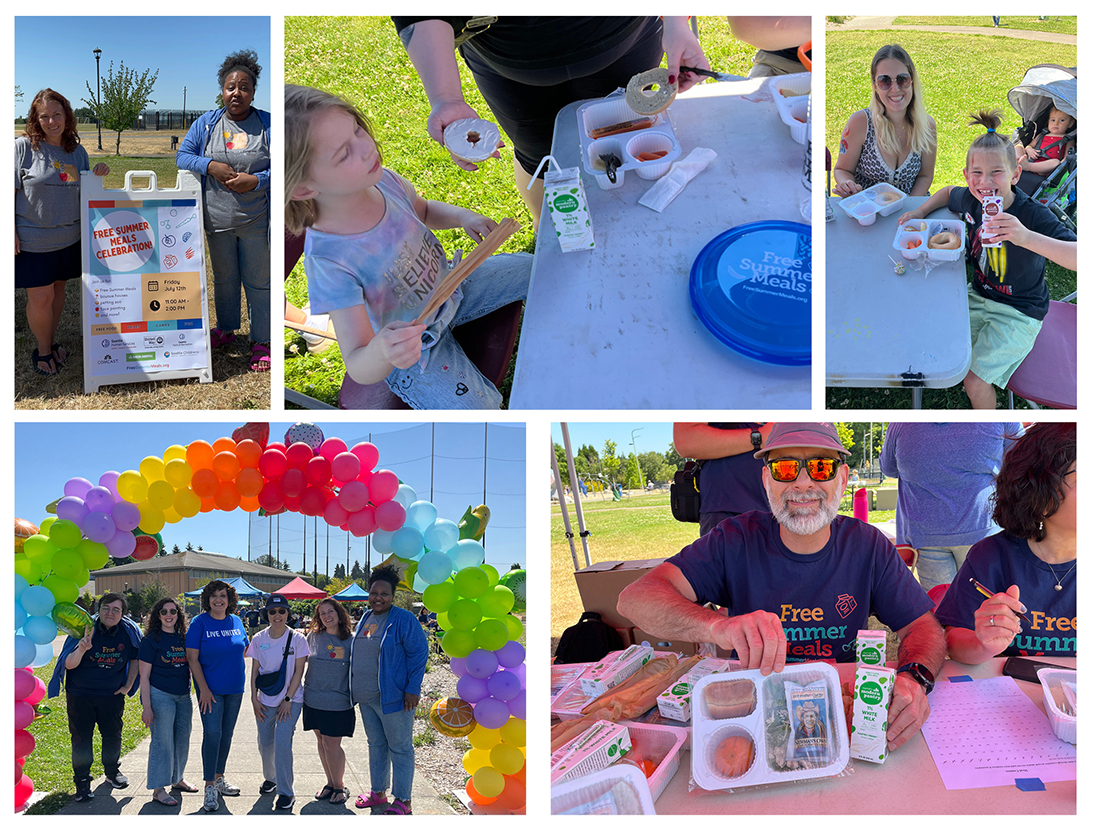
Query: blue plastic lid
x=751, y=287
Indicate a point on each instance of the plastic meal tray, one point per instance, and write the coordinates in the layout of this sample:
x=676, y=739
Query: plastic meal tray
x=866, y=205
x=933, y=226
x=627, y=145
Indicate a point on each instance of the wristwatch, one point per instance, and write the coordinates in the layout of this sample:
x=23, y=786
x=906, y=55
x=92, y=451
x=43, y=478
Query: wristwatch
x=755, y=437
x=921, y=674
x=290, y=699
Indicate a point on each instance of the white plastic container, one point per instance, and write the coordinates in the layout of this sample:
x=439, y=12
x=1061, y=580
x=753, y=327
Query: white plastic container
x=793, y=108
x=617, y=790
x=708, y=733
x=626, y=146
x=661, y=744
x=931, y=227
x=1059, y=695
x=867, y=205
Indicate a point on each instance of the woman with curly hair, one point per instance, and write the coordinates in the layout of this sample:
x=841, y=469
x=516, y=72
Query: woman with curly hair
x=1033, y=559
x=48, y=163
x=328, y=710
x=215, y=643
x=894, y=139
x=165, y=699
x=229, y=148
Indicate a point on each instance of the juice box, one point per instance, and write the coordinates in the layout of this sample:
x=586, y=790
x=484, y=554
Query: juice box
x=675, y=703
x=598, y=747
x=991, y=206
x=870, y=648
x=614, y=669
x=870, y=711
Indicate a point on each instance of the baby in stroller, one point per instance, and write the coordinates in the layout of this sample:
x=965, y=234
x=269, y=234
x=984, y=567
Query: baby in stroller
x=1047, y=150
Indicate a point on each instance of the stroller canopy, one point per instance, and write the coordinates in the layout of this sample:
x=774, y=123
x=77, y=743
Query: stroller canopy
x=1041, y=85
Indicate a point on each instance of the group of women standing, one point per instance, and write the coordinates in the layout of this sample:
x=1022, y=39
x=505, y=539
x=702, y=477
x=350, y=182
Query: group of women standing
x=378, y=666
x=228, y=147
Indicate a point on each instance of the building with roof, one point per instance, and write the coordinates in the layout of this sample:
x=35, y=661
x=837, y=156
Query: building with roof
x=183, y=572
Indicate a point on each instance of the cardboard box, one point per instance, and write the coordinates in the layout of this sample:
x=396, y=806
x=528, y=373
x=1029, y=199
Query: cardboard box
x=675, y=703
x=600, y=584
x=614, y=669
x=672, y=645
x=870, y=648
x=598, y=747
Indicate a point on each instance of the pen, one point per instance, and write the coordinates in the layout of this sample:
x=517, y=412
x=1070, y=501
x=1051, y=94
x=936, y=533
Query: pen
x=988, y=594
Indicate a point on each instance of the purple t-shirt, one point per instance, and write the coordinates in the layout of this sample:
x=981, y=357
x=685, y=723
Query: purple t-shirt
x=823, y=599
x=1000, y=561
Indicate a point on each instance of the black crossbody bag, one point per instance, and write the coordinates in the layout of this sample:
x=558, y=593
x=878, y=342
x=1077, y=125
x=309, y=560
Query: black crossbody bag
x=275, y=681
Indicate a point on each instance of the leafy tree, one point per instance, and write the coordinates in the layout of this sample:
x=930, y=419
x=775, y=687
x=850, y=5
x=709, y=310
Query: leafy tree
x=561, y=460
x=655, y=468
x=124, y=95
x=18, y=93
x=674, y=458
x=634, y=477
x=144, y=599
x=609, y=462
x=269, y=561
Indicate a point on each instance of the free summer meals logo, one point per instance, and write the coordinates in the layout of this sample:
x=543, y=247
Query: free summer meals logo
x=845, y=604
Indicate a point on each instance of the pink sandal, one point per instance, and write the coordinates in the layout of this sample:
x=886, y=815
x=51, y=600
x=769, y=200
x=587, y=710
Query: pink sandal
x=260, y=357
x=219, y=337
x=398, y=807
x=374, y=799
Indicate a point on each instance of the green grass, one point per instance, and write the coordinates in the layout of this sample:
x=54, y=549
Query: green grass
x=960, y=74
x=1059, y=25
x=165, y=169
x=347, y=56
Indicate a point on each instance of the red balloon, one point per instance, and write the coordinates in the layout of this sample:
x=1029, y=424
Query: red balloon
x=227, y=497
x=391, y=516
x=513, y=795
x=368, y=454
x=362, y=522
x=23, y=790
x=318, y=471
x=383, y=486
x=270, y=497
x=312, y=501
x=273, y=463
x=334, y=513
x=477, y=798
x=208, y=504
x=293, y=483
x=292, y=503
x=205, y=483
x=353, y=496
x=298, y=455
x=249, y=454
x=24, y=743
x=365, y=476
x=281, y=447
x=332, y=447
x=249, y=482
x=345, y=467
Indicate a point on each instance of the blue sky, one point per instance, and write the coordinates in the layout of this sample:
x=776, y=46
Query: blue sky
x=651, y=437
x=49, y=454
x=57, y=52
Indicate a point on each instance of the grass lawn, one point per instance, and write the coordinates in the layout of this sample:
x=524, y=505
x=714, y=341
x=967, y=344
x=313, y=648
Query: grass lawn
x=1060, y=25
x=960, y=74
x=345, y=56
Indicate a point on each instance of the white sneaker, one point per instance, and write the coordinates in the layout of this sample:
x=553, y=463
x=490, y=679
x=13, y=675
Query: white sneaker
x=212, y=801
x=226, y=789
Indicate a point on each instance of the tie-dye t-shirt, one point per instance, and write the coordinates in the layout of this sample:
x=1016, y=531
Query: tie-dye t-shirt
x=392, y=269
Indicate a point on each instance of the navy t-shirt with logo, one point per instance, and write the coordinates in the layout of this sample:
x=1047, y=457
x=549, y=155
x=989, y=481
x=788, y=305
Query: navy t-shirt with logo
x=170, y=671
x=103, y=669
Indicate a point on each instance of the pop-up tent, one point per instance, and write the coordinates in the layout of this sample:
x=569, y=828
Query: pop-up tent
x=243, y=589
x=298, y=588
x=352, y=593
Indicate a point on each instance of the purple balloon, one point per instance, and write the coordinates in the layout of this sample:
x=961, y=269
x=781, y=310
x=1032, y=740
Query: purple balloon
x=77, y=487
x=481, y=663
x=517, y=706
x=109, y=480
x=126, y=516
x=99, y=526
x=99, y=499
x=71, y=508
x=504, y=685
x=458, y=664
x=471, y=689
x=122, y=544
x=511, y=654
x=491, y=712
x=518, y=672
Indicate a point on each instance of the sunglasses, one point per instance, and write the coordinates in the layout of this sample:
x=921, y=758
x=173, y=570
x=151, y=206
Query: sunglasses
x=785, y=470
x=276, y=611
x=168, y=611
x=884, y=82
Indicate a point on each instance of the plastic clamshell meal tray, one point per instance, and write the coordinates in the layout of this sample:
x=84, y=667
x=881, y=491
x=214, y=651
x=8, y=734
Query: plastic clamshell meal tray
x=934, y=226
x=792, y=108
x=626, y=145
x=590, y=794
x=866, y=206
x=1064, y=726
x=662, y=744
x=707, y=732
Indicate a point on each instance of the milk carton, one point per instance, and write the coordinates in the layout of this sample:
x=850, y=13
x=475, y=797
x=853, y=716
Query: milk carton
x=991, y=206
x=614, y=669
x=565, y=199
x=870, y=648
x=870, y=712
x=675, y=703
x=598, y=747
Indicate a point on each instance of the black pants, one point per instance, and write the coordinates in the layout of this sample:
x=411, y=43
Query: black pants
x=84, y=713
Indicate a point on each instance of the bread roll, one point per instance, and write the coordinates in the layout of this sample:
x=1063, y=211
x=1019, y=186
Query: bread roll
x=726, y=700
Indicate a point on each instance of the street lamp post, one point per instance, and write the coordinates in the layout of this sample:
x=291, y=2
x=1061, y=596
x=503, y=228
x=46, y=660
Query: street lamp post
x=184, y=108
x=98, y=104
x=642, y=484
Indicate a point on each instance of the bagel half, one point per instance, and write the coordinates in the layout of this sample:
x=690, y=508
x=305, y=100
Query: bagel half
x=944, y=241
x=653, y=102
x=472, y=139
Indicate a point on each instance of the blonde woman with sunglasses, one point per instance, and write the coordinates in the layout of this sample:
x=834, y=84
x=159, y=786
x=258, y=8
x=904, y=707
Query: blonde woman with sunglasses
x=893, y=140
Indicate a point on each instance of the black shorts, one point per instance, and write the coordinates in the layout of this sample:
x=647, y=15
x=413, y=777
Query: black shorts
x=330, y=723
x=37, y=270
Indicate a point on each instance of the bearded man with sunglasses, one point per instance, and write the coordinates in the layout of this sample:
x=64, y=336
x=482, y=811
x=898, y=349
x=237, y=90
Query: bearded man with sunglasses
x=798, y=583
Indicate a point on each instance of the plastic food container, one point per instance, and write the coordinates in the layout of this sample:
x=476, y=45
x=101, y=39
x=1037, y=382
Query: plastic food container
x=1059, y=695
x=617, y=790
x=792, y=97
x=785, y=746
x=661, y=745
x=626, y=146
x=867, y=205
x=921, y=231
x=563, y=675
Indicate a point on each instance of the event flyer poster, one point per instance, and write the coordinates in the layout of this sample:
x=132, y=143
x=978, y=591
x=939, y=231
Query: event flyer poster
x=146, y=286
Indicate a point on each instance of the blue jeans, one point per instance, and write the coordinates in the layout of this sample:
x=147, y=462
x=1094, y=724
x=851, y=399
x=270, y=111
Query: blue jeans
x=276, y=746
x=451, y=380
x=391, y=754
x=217, y=728
x=241, y=257
x=170, y=746
x=939, y=565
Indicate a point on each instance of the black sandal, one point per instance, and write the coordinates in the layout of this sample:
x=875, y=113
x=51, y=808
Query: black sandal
x=326, y=792
x=60, y=354
x=48, y=361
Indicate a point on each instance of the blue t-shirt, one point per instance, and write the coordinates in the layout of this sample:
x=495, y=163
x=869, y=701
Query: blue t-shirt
x=823, y=599
x=170, y=671
x=1000, y=561
x=220, y=646
x=104, y=667
x=734, y=483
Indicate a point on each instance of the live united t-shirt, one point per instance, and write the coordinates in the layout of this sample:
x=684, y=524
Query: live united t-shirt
x=170, y=671
x=1000, y=561
x=220, y=645
x=822, y=599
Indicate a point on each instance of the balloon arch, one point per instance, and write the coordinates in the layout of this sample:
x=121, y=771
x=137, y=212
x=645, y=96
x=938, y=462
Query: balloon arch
x=123, y=513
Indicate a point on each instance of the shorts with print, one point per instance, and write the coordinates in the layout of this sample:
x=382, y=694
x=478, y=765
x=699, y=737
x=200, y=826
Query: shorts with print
x=1002, y=338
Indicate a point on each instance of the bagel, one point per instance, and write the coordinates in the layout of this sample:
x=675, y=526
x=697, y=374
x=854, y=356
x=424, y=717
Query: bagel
x=886, y=197
x=944, y=241
x=651, y=103
x=472, y=139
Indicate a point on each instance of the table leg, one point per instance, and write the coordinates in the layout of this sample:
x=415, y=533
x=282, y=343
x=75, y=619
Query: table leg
x=918, y=396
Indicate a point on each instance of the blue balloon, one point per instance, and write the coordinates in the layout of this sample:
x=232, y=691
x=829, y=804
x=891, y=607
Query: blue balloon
x=421, y=514
x=419, y=584
x=43, y=656
x=25, y=651
x=441, y=535
x=20, y=615
x=434, y=567
x=382, y=541
x=41, y=630
x=21, y=584
x=406, y=496
x=467, y=553
x=37, y=600
x=407, y=543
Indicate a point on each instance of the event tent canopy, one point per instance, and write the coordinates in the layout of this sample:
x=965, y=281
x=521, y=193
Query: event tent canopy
x=243, y=589
x=352, y=592
x=298, y=588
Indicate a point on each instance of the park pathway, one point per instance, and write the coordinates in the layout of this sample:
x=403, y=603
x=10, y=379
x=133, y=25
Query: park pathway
x=880, y=22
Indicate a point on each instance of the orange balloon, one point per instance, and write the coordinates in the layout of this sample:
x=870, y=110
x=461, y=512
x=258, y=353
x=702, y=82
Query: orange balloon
x=208, y=504
x=249, y=504
x=224, y=445
x=249, y=482
x=227, y=497
x=199, y=455
x=513, y=795
x=226, y=465
x=248, y=453
x=205, y=483
x=520, y=776
x=477, y=798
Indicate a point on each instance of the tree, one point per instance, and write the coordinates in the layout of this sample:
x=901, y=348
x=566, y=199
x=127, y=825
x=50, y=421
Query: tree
x=634, y=478
x=654, y=467
x=340, y=572
x=269, y=561
x=516, y=566
x=18, y=93
x=189, y=547
x=356, y=572
x=175, y=550
x=674, y=458
x=610, y=463
x=124, y=95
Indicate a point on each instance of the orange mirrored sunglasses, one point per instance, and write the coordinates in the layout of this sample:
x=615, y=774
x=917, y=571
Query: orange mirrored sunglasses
x=786, y=470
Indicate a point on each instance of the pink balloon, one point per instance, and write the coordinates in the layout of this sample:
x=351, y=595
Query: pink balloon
x=77, y=487
x=24, y=714
x=24, y=683
x=334, y=513
x=23, y=790
x=318, y=471
x=383, y=486
x=298, y=455
x=109, y=480
x=122, y=544
x=368, y=454
x=332, y=447
x=353, y=496
x=270, y=496
x=362, y=522
x=294, y=482
x=273, y=464
x=38, y=693
x=312, y=501
x=126, y=516
x=390, y=516
x=345, y=466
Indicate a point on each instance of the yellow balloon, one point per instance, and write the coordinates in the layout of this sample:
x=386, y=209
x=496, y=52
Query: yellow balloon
x=161, y=494
x=152, y=468
x=506, y=759
x=187, y=504
x=175, y=452
x=513, y=732
x=171, y=516
x=475, y=759
x=152, y=519
x=488, y=782
x=132, y=486
x=178, y=472
x=484, y=738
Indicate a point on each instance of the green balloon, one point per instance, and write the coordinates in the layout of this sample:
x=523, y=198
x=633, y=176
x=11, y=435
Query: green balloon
x=27, y=568
x=440, y=597
x=465, y=614
x=63, y=590
x=458, y=643
x=94, y=554
x=67, y=564
x=492, y=574
x=496, y=602
x=514, y=626
x=64, y=534
x=39, y=547
x=71, y=618
x=471, y=582
x=491, y=634
x=515, y=581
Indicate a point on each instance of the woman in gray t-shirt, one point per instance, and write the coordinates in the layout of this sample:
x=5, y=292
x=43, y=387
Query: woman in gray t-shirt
x=328, y=710
x=48, y=163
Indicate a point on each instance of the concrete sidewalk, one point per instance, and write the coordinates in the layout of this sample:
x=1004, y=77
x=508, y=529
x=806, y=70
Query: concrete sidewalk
x=245, y=770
